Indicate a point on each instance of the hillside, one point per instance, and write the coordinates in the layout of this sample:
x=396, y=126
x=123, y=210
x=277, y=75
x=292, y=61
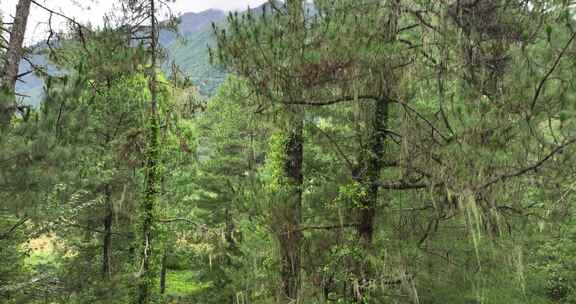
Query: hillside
x=189, y=51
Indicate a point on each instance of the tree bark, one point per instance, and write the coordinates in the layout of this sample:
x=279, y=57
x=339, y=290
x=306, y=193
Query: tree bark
x=164, y=271
x=373, y=167
x=369, y=177
x=12, y=61
x=290, y=236
x=107, y=242
x=148, y=269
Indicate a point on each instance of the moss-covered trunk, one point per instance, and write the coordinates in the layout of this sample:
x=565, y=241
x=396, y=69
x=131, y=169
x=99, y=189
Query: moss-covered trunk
x=373, y=158
x=368, y=177
x=288, y=213
x=148, y=210
x=149, y=268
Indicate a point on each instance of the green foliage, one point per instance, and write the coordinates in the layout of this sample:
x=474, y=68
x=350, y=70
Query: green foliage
x=191, y=56
x=182, y=284
x=551, y=261
x=464, y=180
x=12, y=257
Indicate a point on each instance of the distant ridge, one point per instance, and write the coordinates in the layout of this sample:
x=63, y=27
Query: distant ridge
x=190, y=53
x=194, y=27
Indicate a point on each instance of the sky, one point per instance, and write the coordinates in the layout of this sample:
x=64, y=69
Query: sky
x=92, y=11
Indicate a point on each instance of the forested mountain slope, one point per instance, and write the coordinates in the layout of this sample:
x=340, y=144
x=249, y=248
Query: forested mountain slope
x=187, y=48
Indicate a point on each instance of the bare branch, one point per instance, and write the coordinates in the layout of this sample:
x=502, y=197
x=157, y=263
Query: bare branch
x=552, y=69
x=329, y=227
x=330, y=102
x=532, y=167
x=6, y=234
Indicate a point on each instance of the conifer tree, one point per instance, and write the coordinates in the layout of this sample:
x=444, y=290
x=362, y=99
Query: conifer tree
x=286, y=210
x=149, y=256
x=359, y=152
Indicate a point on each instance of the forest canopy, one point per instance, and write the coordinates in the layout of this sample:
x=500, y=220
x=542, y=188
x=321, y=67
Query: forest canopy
x=327, y=151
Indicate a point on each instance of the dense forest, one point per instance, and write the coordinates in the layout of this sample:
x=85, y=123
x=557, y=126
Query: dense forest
x=327, y=151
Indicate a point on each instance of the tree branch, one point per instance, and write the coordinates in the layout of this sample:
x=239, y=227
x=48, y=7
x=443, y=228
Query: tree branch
x=6, y=234
x=525, y=170
x=552, y=69
x=402, y=185
x=329, y=102
x=330, y=227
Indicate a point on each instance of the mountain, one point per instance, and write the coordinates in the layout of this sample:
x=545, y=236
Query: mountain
x=190, y=53
x=191, y=23
x=30, y=85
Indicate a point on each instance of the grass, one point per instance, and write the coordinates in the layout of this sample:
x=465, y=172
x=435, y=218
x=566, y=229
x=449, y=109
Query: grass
x=180, y=283
x=41, y=251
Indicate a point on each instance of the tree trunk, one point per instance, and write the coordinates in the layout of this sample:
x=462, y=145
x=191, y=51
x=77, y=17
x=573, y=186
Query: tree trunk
x=289, y=235
x=369, y=177
x=107, y=242
x=12, y=61
x=373, y=167
x=164, y=271
x=148, y=270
